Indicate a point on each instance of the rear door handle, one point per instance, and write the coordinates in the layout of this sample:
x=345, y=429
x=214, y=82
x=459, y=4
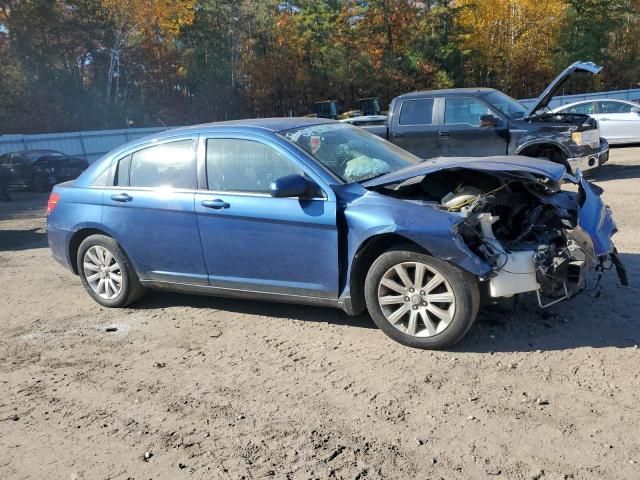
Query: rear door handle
x=396, y=135
x=216, y=204
x=444, y=134
x=121, y=197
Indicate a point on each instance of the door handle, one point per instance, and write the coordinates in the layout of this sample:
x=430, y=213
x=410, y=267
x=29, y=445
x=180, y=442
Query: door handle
x=443, y=134
x=396, y=135
x=216, y=204
x=605, y=119
x=121, y=197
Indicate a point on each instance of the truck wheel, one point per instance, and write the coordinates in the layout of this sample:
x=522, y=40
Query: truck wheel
x=554, y=155
x=421, y=301
x=107, y=273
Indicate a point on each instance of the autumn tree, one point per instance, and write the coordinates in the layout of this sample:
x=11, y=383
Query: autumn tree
x=511, y=43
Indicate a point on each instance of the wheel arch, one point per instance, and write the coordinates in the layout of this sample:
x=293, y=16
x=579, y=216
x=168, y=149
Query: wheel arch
x=76, y=239
x=554, y=151
x=366, y=254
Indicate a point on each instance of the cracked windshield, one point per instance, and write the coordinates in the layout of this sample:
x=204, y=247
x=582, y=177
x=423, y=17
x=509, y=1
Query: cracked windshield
x=351, y=153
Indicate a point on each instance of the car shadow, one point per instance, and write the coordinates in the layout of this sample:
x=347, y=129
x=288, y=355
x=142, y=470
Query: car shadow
x=584, y=321
x=24, y=205
x=609, y=320
x=16, y=240
x=305, y=313
x=612, y=171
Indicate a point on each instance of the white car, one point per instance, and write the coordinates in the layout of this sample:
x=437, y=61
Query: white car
x=619, y=120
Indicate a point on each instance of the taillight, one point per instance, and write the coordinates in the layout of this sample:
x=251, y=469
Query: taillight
x=53, y=202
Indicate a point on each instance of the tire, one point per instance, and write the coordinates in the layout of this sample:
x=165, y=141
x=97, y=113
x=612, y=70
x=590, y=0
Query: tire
x=555, y=156
x=457, y=285
x=89, y=257
x=41, y=184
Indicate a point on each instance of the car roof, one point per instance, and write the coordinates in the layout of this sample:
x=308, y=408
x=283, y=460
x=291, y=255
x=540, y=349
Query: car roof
x=448, y=91
x=276, y=124
x=33, y=155
x=581, y=102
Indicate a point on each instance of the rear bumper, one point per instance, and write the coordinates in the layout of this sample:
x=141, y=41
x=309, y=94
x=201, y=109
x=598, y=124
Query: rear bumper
x=592, y=160
x=58, y=244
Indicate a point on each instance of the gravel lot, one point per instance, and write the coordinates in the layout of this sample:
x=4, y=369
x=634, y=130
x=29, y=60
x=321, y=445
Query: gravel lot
x=215, y=388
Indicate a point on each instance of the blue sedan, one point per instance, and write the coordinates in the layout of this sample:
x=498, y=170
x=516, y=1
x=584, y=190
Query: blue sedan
x=321, y=212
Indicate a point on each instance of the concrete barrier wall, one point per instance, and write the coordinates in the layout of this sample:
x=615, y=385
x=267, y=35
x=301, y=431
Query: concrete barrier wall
x=90, y=145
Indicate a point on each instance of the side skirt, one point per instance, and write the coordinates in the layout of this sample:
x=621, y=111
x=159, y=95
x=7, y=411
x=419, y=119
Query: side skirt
x=246, y=294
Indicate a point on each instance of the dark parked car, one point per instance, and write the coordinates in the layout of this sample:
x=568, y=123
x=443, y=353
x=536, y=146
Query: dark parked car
x=482, y=121
x=322, y=212
x=39, y=170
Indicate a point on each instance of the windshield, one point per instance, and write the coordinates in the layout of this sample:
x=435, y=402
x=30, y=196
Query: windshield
x=351, y=153
x=505, y=104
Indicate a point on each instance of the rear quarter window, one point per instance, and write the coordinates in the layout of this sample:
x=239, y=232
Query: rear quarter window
x=170, y=164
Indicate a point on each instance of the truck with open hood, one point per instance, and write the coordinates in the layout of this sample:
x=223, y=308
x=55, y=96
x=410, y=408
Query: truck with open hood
x=481, y=122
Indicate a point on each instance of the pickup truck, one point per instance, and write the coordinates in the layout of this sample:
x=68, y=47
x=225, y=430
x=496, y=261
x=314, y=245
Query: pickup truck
x=481, y=122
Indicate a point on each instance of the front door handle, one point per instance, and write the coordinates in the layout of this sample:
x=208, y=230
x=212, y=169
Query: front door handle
x=443, y=134
x=396, y=135
x=121, y=197
x=216, y=204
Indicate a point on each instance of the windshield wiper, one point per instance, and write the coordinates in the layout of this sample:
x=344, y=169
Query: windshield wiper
x=372, y=177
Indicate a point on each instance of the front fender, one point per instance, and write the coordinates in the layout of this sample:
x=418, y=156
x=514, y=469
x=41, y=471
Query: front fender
x=547, y=138
x=432, y=229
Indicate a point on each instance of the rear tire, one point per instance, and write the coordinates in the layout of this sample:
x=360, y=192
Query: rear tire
x=431, y=306
x=41, y=184
x=106, y=272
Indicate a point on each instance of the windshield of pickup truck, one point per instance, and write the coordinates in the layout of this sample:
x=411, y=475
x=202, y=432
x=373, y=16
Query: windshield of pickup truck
x=351, y=153
x=505, y=104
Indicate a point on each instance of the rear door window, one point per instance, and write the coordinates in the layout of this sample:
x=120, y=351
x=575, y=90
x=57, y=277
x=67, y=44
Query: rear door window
x=613, y=107
x=170, y=164
x=417, y=112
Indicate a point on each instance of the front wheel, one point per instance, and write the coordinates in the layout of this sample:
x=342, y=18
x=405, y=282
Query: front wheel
x=421, y=301
x=107, y=273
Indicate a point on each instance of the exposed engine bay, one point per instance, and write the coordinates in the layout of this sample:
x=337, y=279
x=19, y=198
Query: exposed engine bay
x=523, y=225
x=585, y=122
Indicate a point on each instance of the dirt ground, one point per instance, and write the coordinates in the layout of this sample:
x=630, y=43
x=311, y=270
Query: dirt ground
x=215, y=388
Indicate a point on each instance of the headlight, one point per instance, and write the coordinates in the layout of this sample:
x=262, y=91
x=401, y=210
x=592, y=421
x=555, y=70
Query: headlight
x=588, y=137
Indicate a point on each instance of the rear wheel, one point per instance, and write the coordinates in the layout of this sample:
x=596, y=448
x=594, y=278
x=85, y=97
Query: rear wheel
x=107, y=273
x=41, y=184
x=421, y=301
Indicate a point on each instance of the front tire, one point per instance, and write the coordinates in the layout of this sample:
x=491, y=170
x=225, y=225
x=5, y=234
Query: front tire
x=421, y=301
x=107, y=273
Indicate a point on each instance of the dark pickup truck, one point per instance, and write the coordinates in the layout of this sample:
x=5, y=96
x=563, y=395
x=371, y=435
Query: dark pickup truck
x=479, y=122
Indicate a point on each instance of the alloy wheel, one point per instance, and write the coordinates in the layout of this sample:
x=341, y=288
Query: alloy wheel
x=103, y=272
x=416, y=299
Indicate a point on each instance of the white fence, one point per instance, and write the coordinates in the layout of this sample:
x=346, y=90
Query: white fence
x=89, y=145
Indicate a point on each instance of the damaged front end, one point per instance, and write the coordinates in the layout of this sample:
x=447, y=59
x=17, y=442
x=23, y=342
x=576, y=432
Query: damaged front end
x=536, y=236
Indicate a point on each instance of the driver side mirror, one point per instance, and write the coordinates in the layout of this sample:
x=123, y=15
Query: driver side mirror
x=294, y=186
x=635, y=110
x=489, y=121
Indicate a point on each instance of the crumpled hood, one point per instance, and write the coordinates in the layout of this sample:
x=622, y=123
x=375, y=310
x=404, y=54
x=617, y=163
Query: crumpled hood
x=556, y=84
x=511, y=163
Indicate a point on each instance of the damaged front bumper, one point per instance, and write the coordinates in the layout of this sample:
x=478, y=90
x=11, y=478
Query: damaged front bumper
x=588, y=162
x=589, y=252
